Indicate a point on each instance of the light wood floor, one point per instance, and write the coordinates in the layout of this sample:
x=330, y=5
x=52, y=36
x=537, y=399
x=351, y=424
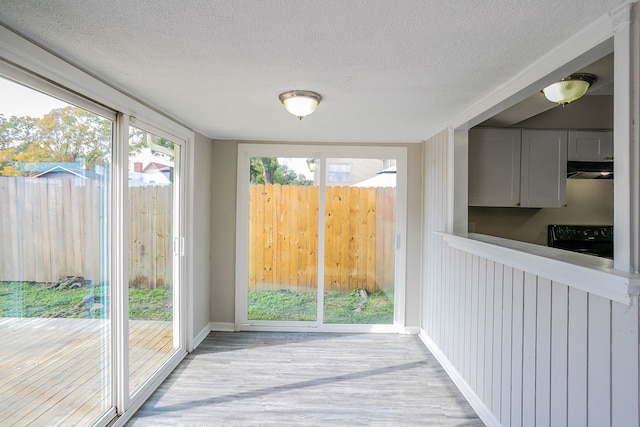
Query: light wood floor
x=58, y=371
x=278, y=379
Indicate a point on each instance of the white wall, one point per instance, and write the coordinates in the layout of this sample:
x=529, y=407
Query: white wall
x=589, y=201
x=223, y=231
x=203, y=153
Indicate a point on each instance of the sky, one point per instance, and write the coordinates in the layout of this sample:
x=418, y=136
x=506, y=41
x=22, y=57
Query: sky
x=299, y=165
x=17, y=100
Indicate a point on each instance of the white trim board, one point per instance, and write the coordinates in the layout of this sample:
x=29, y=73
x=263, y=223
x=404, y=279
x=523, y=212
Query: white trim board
x=587, y=273
x=476, y=403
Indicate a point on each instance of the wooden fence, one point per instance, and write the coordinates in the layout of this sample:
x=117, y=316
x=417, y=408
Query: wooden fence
x=52, y=228
x=283, y=238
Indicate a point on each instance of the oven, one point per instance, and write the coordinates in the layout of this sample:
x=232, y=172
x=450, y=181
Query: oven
x=587, y=239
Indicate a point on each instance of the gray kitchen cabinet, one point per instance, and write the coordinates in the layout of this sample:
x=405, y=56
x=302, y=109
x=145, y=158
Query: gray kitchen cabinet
x=591, y=146
x=494, y=167
x=514, y=167
x=543, y=180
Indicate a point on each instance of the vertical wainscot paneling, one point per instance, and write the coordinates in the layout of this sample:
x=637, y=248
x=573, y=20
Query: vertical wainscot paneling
x=517, y=348
x=496, y=352
x=543, y=352
x=529, y=350
x=506, y=350
x=599, y=361
x=577, y=369
x=559, y=342
x=624, y=364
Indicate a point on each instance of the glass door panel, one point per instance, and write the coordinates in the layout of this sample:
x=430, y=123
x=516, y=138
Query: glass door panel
x=55, y=324
x=153, y=234
x=283, y=241
x=359, y=249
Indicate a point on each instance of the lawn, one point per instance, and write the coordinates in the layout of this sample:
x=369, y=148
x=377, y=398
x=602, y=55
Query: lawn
x=30, y=299
x=344, y=308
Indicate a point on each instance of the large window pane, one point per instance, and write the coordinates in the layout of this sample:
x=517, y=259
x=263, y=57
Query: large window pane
x=55, y=357
x=283, y=240
x=359, y=252
x=152, y=231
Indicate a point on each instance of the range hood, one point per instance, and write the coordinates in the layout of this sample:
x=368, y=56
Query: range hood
x=589, y=170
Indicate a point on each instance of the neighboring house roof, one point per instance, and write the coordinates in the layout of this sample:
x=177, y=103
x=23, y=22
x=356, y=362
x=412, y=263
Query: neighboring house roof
x=384, y=178
x=155, y=166
x=59, y=170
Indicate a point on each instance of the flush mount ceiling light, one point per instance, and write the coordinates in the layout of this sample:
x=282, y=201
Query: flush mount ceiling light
x=569, y=89
x=300, y=103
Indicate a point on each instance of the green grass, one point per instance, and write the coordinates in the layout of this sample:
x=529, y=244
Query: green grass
x=29, y=299
x=339, y=308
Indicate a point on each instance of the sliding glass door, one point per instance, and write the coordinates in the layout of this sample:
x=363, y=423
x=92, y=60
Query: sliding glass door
x=317, y=237
x=91, y=257
x=282, y=252
x=154, y=250
x=56, y=364
x=359, y=236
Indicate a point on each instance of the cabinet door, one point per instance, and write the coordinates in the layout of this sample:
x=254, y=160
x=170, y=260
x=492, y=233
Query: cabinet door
x=494, y=167
x=544, y=169
x=591, y=146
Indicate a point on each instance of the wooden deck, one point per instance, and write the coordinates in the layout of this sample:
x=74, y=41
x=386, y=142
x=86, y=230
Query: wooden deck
x=282, y=379
x=57, y=371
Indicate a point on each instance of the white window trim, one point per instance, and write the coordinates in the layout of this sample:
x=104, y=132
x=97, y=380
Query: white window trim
x=245, y=152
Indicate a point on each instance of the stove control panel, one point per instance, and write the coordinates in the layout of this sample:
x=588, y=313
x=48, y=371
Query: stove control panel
x=581, y=232
x=590, y=239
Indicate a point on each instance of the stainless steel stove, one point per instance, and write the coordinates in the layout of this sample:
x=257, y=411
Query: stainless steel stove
x=587, y=239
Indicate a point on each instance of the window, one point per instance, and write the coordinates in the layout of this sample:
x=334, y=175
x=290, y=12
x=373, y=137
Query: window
x=339, y=172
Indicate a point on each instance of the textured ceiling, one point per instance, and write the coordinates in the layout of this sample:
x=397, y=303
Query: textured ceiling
x=389, y=71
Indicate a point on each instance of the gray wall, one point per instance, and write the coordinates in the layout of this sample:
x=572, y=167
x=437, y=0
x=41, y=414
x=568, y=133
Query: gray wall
x=589, y=201
x=223, y=227
x=203, y=149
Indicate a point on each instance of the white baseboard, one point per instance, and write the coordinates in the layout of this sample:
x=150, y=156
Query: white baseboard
x=201, y=336
x=222, y=326
x=411, y=330
x=476, y=403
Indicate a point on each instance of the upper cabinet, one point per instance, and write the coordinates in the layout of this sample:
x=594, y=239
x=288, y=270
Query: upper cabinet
x=513, y=167
x=494, y=167
x=543, y=162
x=591, y=146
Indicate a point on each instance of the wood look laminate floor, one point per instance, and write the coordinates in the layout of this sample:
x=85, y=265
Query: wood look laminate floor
x=301, y=379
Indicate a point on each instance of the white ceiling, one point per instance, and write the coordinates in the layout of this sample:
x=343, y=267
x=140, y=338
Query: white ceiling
x=389, y=71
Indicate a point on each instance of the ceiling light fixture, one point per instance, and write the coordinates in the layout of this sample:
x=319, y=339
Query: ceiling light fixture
x=569, y=89
x=300, y=103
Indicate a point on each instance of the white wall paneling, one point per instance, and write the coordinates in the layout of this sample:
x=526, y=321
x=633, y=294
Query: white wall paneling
x=533, y=351
x=559, y=340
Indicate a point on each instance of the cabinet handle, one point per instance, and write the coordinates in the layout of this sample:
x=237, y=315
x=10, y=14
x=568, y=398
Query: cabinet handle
x=608, y=158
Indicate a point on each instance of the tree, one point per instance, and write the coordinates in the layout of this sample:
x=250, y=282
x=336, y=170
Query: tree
x=267, y=170
x=62, y=135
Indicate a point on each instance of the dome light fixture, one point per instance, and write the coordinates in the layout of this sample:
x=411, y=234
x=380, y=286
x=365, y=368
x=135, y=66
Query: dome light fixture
x=569, y=89
x=300, y=103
